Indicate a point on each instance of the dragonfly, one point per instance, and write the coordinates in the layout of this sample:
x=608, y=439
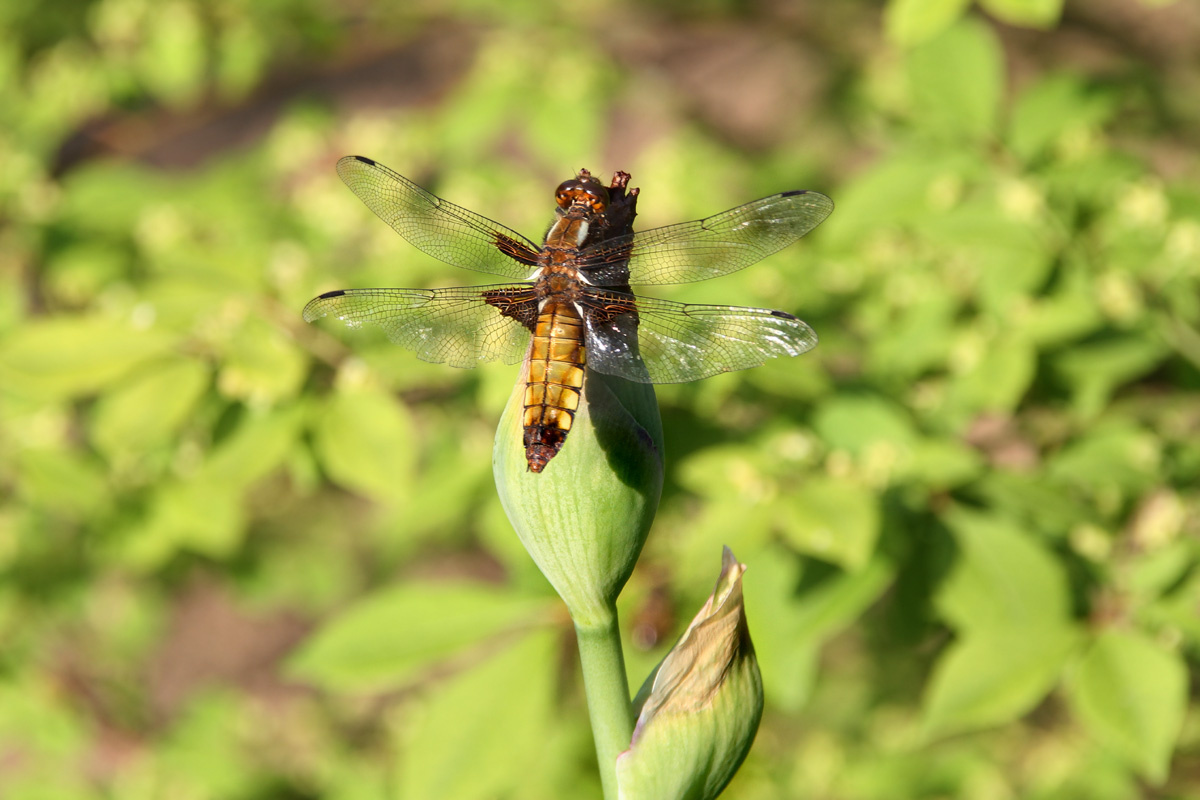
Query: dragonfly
x=571, y=309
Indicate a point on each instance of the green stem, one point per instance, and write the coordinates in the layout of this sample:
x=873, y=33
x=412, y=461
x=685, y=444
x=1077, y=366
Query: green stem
x=607, y=694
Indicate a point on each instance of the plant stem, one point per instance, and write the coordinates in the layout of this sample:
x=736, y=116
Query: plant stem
x=607, y=691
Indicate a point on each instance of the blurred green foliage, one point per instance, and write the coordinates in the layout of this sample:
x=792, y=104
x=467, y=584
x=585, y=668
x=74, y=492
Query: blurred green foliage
x=242, y=557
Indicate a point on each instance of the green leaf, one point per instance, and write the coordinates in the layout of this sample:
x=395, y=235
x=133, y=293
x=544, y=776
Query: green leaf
x=910, y=22
x=1034, y=500
x=1132, y=695
x=790, y=628
x=1117, y=456
x=69, y=356
x=150, y=408
x=995, y=381
x=201, y=736
x=894, y=191
x=258, y=446
x=64, y=483
x=392, y=636
x=1049, y=109
x=855, y=423
x=262, y=364
x=79, y=273
x=200, y=515
x=1095, y=371
x=994, y=677
x=1042, y=14
x=173, y=57
x=1070, y=312
x=942, y=464
x=833, y=519
x=919, y=339
x=1008, y=599
x=1008, y=259
x=1003, y=581
x=365, y=442
x=484, y=732
x=956, y=82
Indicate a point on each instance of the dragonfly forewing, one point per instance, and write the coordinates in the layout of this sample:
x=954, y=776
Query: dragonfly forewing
x=707, y=248
x=438, y=228
x=458, y=326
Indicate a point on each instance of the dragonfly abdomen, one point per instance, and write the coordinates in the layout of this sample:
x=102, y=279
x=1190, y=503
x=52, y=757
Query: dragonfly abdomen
x=553, y=382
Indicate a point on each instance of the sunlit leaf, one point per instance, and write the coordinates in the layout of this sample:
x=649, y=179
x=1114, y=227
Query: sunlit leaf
x=63, y=483
x=174, y=59
x=259, y=445
x=395, y=635
x=963, y=102
x=942, y=464
x=790, y=627
x=992, y=678
x=893, y=191
x=68, y=356
x=496, y=715
x=1119, y=455
x=262, y=365
x=1094, y=371
x=1132, y=696
x=833, y=519
x=1051, y=108
x=994, y=379
x=201, y=516
x=150, y=407
x=1004, y=579
x=1042, y=14
x=1007, y=598
x=910, y=22
x=203, y=735
x=365, y=441
x=854, y=423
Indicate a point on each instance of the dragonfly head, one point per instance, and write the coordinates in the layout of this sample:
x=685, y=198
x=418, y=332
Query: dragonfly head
x=583, y=192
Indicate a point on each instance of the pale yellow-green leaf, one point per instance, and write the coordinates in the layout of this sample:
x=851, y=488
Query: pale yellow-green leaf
x=392, y=636
x=1132, y=695
x=69, y=356
x=910, y=22
x=993, y=678
x=833, y=519
x=479, y=734
x=150, y=407
x=1042, y=14
x=365, y=441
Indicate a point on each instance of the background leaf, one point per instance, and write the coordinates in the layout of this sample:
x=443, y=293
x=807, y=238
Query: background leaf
x=365, y=441
x=1008, y=600
x=960, y=102
x=1031, y=13
x=391, y=637
x=909, y=22
x=499, y=713
x=1130, y=694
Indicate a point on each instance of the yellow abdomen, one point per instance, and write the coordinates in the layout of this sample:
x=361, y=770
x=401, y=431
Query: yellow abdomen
x=553, y=382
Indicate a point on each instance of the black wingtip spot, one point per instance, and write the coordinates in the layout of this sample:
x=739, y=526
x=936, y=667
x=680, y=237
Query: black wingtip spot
x=364, y=160
x=334, y=293
x=794, y=192
x=780, y=314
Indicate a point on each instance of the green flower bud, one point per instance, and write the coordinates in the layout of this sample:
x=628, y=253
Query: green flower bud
x=701, y=706
x=585, y=517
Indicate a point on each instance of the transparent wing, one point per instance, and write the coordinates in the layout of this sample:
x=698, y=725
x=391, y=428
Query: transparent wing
x=666, y=342
x=460, y=326
x=706, y=248
x=438, y=228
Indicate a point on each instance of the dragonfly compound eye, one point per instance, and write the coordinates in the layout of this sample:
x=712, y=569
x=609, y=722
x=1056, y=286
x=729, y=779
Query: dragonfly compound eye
x=585, y=191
